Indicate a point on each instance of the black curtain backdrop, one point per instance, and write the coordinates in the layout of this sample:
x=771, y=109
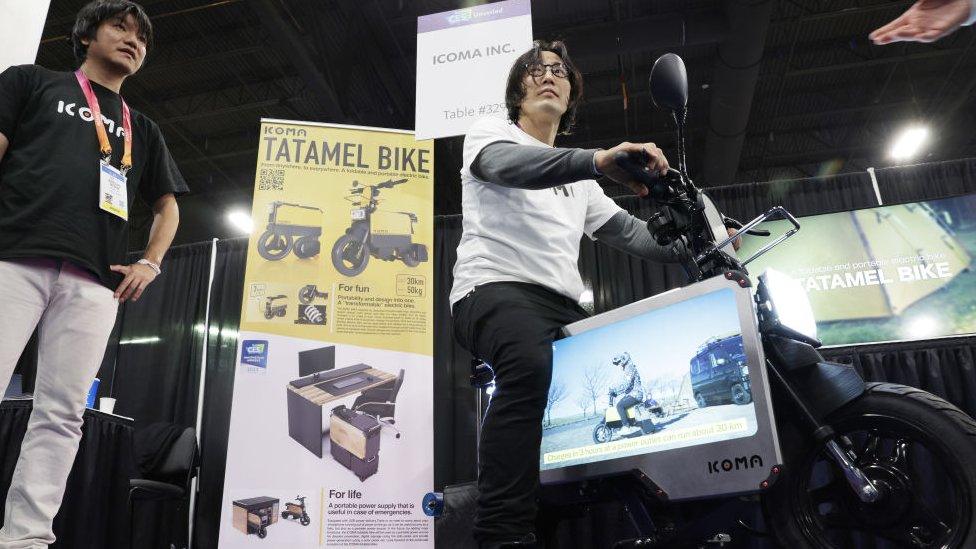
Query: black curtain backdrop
x=161, y=341
x=927, y=181
x=92, y=515
x=225, y=314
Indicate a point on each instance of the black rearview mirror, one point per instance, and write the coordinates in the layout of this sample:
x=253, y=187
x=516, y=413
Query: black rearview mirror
x=669, y=82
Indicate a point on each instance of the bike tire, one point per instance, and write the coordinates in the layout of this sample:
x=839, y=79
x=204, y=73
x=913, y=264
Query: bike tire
x=950, y=432
x=339, y=262
x=409, y=260
x=740, y=396
x=282, y=244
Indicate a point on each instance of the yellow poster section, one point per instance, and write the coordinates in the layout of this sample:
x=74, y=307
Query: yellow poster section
x=342, y=244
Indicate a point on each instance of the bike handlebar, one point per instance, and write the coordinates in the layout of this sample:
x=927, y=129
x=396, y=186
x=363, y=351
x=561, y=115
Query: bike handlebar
x=781, y=213
x=390, y=184
x=736, y=224
x=279, y=203
x=660, y=187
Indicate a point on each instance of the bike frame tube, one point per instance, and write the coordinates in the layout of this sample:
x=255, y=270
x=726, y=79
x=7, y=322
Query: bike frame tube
x=777, y=211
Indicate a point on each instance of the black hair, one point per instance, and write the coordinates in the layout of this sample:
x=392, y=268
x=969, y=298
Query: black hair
x=95, y=13
x=515, y=89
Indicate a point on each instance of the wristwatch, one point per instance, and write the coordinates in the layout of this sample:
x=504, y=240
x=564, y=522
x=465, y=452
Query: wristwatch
x=151, y=265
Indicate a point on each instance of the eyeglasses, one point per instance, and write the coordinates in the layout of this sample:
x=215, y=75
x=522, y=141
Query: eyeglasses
x=538, y=69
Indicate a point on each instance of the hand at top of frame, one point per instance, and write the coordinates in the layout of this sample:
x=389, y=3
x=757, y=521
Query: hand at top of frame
x=925, y=21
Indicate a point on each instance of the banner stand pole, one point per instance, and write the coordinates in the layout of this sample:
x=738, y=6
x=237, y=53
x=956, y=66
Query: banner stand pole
x=877, y=189
x=194, y=485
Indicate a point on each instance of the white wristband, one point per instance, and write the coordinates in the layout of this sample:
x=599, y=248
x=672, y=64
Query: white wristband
x=151, y=265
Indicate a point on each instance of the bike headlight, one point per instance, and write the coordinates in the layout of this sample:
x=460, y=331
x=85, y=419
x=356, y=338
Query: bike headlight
x=787, y=302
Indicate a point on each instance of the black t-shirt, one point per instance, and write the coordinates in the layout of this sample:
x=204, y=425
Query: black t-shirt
x=49, y=176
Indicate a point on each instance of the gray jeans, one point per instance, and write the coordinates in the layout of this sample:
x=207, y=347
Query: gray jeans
x=75, y=314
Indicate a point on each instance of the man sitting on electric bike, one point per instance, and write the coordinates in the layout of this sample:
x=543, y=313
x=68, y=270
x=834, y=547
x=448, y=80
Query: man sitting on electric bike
x=630, y=391
x=526, y=204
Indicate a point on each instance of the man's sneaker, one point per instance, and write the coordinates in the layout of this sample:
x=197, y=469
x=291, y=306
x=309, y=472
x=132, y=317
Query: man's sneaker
x=628, y=430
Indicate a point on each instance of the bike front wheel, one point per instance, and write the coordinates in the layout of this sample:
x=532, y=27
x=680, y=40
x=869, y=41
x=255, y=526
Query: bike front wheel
x=273, y=246
x=602, y=433
x=350, y=255
x=915, y=447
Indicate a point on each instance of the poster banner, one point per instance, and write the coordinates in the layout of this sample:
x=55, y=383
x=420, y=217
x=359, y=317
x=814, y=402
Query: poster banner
x=890, y=273
x=463, y=60
x=331, y=438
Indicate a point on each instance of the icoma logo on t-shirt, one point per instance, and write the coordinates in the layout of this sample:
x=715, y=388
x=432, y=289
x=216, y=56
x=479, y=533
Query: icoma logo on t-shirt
x=85, y=114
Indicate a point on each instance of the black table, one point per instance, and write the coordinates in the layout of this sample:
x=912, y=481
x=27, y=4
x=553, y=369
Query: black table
x=93, y=514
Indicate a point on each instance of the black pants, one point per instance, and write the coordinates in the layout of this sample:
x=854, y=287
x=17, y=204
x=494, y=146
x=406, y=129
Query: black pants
x=511, y=326
x=625, y=402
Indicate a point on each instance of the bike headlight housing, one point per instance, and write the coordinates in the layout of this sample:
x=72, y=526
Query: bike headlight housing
x=786, y=303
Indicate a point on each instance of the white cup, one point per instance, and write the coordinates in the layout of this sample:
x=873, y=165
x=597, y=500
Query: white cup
x=106, y=404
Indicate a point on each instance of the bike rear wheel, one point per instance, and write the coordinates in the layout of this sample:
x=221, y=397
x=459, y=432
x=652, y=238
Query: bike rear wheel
x=916, y=447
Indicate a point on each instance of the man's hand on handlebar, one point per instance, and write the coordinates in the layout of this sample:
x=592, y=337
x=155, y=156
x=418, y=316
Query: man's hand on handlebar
x=738, y=241
x=657, y=164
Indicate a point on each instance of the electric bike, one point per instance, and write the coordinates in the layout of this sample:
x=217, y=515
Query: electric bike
x=878, y=462
x=643, y=414
x=390, y=241
x=872, y=464
x=296, y=511
x=273, y=309
x=280, y=238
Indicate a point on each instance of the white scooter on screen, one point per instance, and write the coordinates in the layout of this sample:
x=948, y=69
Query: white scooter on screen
x=643, y=415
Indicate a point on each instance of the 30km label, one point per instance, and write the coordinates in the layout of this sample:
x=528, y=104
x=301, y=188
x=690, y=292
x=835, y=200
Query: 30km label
x=411, y=285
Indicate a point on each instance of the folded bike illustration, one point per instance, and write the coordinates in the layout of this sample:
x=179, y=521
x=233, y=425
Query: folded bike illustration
x=282, y=237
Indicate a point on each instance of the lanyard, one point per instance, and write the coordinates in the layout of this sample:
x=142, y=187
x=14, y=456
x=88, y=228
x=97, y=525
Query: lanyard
x=103, y=144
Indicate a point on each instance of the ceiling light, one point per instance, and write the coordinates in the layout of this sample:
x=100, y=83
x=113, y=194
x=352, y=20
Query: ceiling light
x=240, y=221
x=908, y=143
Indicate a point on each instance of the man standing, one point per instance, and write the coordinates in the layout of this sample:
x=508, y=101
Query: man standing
x=73, y=156
x=526, y=205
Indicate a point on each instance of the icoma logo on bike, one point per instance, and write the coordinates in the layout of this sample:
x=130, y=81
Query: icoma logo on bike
x=727, y=465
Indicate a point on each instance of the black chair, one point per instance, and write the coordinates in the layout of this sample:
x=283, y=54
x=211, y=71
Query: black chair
x=173, y=480
x=380, y=402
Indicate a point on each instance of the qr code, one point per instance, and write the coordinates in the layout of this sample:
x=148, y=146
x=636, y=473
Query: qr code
x=271, y=179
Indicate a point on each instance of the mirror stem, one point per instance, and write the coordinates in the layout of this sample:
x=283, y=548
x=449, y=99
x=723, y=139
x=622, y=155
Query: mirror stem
x=680, y=118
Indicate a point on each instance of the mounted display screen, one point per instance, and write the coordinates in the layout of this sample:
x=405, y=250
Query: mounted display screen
x=683, y=367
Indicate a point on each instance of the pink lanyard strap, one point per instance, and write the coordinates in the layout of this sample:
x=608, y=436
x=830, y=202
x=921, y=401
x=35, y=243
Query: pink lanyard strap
x=103, y=143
